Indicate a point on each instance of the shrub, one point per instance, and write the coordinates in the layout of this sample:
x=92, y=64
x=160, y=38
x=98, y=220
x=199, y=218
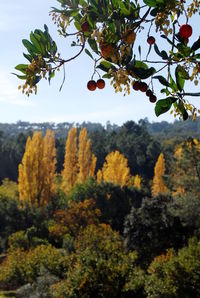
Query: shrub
x=175, y=275
x=22, y=267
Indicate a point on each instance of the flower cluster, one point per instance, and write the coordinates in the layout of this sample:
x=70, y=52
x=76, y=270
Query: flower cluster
x=120, y=77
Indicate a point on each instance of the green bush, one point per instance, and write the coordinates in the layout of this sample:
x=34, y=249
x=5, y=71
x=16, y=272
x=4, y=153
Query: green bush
x=21, y=267
x=175, y=275
x=100, y=267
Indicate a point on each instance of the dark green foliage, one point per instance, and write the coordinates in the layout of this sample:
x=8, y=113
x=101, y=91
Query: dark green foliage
x=11, y=153
x=100, y=267
x=151, y=229
x=175, y=275
x=113, y=201
x=14, y=218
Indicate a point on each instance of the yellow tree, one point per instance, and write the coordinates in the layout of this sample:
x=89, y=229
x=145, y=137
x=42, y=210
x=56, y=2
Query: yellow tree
x=137, y=182
x=37, y=170
x=115, y=169
x=79, y=163
x=86, y=160
x=69, y=173
x=159, y=186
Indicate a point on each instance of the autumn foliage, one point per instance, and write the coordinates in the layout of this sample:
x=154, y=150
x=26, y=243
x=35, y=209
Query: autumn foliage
x=37, y=170
x=159, y=186
x=115, y=169
x=79, y=161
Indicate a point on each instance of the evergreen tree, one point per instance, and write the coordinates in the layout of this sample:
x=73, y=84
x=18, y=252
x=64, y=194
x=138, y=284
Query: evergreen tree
x=159, y=186
x=37, y=170
x=185, y=170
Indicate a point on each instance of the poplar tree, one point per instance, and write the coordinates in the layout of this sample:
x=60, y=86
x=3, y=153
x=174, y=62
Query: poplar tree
x=159, y=186
x=69, y=173
x=86, y=160
x=115, y=169
x=137, y=182
x=79, y=162
x=37, y=170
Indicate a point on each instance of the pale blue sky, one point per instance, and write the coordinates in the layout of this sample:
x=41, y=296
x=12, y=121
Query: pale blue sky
x=74, y=103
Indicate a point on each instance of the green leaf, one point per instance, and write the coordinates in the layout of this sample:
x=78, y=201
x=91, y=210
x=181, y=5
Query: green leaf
x=30, y=47
x=123, y=9
x=180, y=77
x=89, y=54
x=169, y=41
x=182, y=109
x=20, y=77
x=154, y=12
x=196, y=45
x=28, y=57
x=162, y=54
x=163, y=105
x=22, y=67
x=43, y=37
x=151, y=3
x=162, y=80
x=183, y=49
x=105, y=66
x=36, y=42
x=173, y=85
x=106, y=76
x=142, y=73
x=140, y=64
x=93, y=45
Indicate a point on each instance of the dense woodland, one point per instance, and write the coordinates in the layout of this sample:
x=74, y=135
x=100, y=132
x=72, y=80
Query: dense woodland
x=99, y=211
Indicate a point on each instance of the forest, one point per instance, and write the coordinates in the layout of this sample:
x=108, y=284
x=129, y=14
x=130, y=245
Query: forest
x=88, y=210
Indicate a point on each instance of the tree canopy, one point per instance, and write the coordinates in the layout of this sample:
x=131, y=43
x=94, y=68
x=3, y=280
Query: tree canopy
x=112, y=33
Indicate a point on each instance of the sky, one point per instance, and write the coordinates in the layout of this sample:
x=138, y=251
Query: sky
x=74, y=103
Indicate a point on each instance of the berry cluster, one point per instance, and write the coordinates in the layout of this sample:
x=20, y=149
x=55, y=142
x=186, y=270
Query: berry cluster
x=142, y=86
x=92, y=85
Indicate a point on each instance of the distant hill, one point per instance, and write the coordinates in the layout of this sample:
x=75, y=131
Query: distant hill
x=162, y=130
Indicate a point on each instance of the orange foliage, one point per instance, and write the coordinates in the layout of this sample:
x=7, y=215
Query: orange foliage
x=78, y=215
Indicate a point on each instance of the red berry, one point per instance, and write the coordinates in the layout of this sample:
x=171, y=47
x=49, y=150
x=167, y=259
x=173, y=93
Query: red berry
x=149, y=93
x=91, y=85
x=152, y=98
x=85, y=27
x=185, y=31
x=143, y=87
x=136, y=86
x=151, y=40
x=100, y=83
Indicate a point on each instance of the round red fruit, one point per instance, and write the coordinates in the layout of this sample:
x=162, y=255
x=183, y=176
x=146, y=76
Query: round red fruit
x=185, y=31
x=100, y=84
x=143, y=87
x=151, y=40
x=149, y=93
x=91, y=85
x=152, y=98
x=136, y=86
x=85, y=27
